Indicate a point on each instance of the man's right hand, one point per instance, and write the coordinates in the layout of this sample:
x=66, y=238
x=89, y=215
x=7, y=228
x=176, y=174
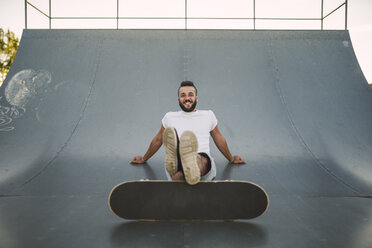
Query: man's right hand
x=138, y=160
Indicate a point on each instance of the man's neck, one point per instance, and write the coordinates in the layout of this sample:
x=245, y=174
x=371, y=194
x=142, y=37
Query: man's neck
x=190, y=111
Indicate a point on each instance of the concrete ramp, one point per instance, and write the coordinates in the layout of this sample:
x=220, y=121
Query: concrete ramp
x=77, y=105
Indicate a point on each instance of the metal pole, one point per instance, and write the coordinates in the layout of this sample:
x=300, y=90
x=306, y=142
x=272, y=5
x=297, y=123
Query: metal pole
x=50, y=14
x=117, y=14
x=185, y=14
x=322, y=15
x=346, y=7
x=25, y=14
x=254, y=14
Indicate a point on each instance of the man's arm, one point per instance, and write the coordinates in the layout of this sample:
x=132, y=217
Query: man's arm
x=221, y=144
x=156, y=143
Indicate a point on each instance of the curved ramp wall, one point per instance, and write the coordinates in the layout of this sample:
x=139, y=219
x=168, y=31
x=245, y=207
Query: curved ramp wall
x=298, y=96
x=77, y=105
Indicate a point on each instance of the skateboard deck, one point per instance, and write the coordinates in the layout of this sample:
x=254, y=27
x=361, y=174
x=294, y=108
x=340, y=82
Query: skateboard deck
x=148, y=200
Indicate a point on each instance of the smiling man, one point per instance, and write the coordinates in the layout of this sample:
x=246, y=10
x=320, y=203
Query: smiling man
x=185, y=135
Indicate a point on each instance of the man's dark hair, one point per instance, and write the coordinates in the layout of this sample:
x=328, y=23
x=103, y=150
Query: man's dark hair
x=187, y=83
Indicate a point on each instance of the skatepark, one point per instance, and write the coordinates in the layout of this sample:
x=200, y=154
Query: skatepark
x=78, y=105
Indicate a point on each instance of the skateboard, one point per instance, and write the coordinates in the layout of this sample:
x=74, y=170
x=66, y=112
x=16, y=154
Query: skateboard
x=151, y=200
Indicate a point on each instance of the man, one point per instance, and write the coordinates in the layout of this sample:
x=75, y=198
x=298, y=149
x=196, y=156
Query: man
x=188, y=157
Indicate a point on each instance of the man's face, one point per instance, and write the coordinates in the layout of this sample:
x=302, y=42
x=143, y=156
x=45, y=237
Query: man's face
x=187, y=98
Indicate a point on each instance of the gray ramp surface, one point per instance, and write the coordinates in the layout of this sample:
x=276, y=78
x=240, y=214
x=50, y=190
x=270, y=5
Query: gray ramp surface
x=78, y=105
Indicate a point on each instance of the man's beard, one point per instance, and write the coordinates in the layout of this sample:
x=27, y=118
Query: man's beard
x=193, y=106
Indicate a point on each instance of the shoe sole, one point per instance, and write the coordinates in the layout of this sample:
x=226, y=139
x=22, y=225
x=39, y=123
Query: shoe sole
x=170, y=146
x=188, y=154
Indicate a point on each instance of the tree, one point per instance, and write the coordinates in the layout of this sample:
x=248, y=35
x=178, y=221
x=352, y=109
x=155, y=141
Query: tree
x=8, y=49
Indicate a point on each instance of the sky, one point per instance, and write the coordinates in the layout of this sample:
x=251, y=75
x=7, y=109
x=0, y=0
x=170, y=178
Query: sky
x=12, y=16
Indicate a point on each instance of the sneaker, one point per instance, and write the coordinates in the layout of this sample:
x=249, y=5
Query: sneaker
x=170, y=146
x=188, y=154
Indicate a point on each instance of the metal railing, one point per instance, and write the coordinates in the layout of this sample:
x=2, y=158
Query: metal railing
x=186, y=18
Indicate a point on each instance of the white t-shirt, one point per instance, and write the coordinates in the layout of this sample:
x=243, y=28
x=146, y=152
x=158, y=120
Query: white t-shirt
x=200, y=122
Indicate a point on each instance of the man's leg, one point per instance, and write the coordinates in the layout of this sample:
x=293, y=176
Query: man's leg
x=188, y=154
x=170, y=142
x=204, y=165
x=197, y=165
